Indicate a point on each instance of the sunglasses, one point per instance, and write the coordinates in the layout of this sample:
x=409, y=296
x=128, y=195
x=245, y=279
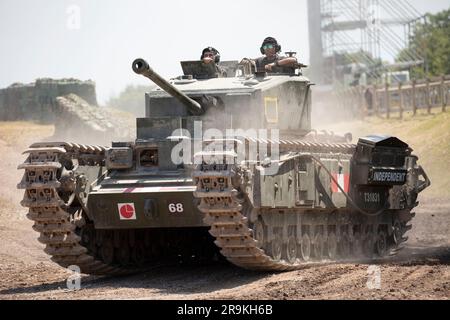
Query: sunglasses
x=268, y=46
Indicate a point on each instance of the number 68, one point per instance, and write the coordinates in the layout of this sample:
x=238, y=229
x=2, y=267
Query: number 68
x=176, y=207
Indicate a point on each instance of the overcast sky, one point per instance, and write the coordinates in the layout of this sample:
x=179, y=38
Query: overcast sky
x=98, y=39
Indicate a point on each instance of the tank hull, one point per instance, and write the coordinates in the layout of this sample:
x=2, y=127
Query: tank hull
x=304, y=213
x=149, y=207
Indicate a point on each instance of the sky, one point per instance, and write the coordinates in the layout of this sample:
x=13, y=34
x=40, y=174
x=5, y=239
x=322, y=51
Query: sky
x=99, y=39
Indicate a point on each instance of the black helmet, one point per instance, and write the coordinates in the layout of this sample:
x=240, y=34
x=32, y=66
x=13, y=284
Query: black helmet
x=270, y=40
x=211, y=49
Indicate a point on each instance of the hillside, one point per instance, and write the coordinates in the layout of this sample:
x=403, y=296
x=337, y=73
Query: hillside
x=428, y=135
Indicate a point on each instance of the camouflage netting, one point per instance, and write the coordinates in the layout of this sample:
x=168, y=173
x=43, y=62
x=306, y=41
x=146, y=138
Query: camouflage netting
x=80, y=122
x=37, y=101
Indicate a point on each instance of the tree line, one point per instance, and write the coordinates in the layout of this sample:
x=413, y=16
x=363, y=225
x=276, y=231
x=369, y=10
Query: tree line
x=432, y=39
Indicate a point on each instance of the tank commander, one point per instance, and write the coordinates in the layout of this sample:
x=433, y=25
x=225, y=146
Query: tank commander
x=272, y=62
x=211, y=55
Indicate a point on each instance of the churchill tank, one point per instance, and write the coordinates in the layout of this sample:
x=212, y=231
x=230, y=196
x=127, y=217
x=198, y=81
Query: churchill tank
x=222, y=166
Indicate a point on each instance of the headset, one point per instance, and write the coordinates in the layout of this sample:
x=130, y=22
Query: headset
x=271, y=41
x=216, y=54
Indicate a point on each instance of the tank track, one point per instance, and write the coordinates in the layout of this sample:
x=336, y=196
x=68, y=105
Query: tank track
x=227, y=212
x=56, y=221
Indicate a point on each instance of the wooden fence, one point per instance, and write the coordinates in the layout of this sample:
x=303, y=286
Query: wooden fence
x=384, y=100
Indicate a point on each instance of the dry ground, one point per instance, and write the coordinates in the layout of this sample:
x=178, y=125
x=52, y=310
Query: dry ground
x=421, y=271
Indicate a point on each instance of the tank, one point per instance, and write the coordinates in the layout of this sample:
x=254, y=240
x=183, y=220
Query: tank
x=222, y=167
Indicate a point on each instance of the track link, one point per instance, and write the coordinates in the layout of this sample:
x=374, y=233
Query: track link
x=57, y=227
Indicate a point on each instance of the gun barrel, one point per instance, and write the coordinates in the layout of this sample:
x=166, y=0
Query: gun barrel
x=140, y=66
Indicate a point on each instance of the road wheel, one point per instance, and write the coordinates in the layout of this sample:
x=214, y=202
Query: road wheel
x=381, y=245
x=357, y=244
x=305, y=247
x=258, y=232
x=318, y=246
x=277, y=248
x=332, y=246
x=344, y=246
x=397, y=232
x=368, y=245
x=291, y=250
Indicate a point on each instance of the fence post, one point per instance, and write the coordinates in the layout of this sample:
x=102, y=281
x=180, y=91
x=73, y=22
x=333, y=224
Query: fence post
x=443, y=95
x=388, y=101
x=375, y=100
x=362, y=102
x=428, y=96
x=400, y=92
x=414, y=101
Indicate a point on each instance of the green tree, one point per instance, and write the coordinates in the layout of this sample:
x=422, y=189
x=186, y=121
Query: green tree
x=132, y=99
x=432, y=40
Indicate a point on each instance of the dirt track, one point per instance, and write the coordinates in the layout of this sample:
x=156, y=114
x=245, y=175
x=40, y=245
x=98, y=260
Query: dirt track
x=421, y=271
